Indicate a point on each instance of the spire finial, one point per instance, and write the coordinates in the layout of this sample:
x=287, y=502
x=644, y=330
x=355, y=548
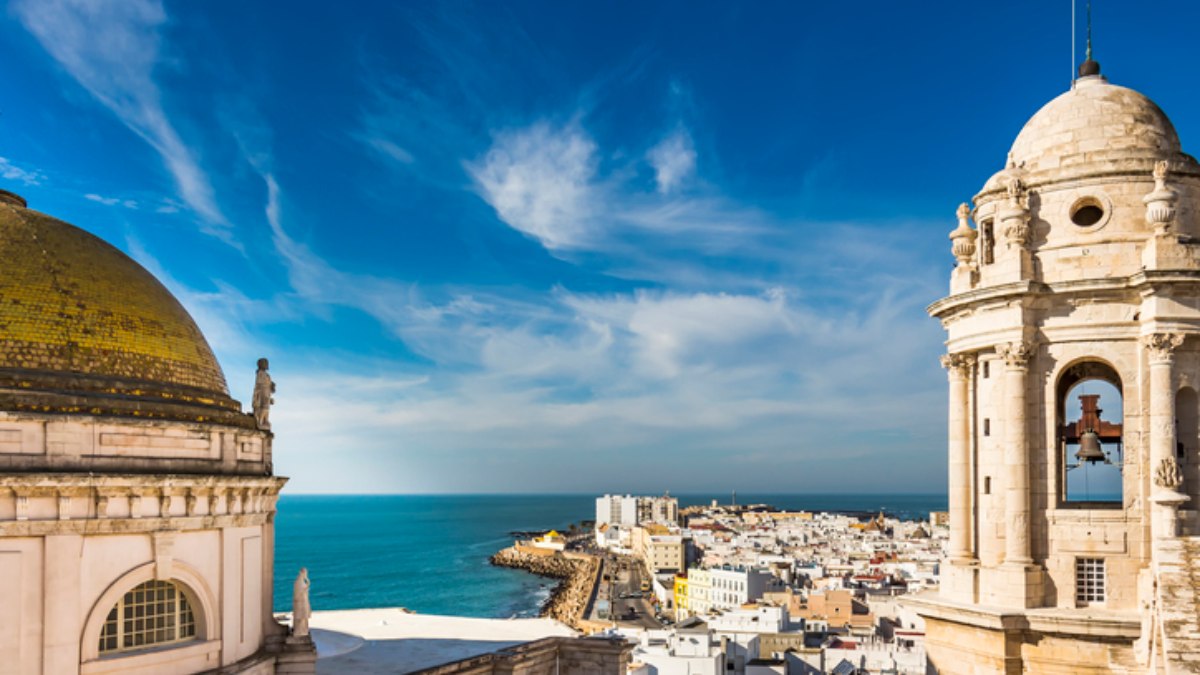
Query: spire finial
x=1089, y=30
x=1089, y=67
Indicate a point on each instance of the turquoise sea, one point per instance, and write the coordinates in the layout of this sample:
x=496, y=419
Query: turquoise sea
x=429, y=553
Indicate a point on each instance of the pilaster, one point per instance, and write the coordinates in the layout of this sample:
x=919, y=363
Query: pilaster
x=63, y=615
x=1017, y=262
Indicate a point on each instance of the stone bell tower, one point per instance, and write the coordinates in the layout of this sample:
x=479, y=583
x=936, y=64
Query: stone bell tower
x=1073, y=356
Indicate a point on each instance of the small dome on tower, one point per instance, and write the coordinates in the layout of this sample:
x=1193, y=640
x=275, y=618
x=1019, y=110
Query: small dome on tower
x=1095, y=121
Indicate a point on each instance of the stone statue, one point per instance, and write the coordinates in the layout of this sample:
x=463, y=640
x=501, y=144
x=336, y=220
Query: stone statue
x=301, y=610
x=264, y=387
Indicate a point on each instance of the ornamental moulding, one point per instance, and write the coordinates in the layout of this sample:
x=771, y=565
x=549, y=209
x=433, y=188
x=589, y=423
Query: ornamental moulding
x=1016, y=354
x=959, y=364
x=1162, y=346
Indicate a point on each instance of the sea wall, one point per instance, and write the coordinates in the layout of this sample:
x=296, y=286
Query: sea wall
x=571, y=598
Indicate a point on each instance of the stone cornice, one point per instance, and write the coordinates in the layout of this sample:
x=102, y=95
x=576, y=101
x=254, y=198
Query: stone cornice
x=978, y=295
x=82, y=526
x=1135, y=169
x=152, y=482
x=1145, y=282
x=1056, y=620
x=81, y=504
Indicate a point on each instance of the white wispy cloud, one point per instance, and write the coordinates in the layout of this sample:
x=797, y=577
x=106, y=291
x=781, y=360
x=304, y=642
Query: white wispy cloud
x=390, y=150
x=111, y=201
x=10, y=171
x=674, y=160
x=404, y=126
x=607, y=375
x=111, y=50
x=596, y=380
x=735, y=365
x=544, y=180
x=538, y=180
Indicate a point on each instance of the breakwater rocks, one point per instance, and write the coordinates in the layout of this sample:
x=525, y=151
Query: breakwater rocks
x=571, y=599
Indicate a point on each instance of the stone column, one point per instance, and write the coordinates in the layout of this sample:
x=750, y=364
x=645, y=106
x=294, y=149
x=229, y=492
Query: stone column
x=1017, y=550
x=1160, y=348
x=959, y=368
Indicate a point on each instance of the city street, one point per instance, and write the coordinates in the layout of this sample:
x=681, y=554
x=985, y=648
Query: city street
x=626, y=578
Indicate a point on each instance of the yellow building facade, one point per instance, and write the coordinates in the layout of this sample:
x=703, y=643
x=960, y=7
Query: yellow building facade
x=682, y=606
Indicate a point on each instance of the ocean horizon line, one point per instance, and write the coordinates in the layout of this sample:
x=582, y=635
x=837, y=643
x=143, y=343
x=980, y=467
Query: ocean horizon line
x=598, y=494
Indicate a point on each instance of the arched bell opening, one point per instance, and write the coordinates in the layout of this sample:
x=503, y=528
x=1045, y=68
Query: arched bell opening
x=1187, y=440
x=1090, y=438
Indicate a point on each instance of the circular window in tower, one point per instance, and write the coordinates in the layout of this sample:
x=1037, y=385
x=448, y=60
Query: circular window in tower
x=1087, y=212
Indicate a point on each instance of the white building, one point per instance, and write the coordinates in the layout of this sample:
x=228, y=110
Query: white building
x=630, y=511
x=751, y=620
x=735, y=586
x=616, y=510
x=690, y=651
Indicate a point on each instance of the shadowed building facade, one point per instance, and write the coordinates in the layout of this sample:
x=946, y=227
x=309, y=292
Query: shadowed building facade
x=1073, y=326
x=137, y=500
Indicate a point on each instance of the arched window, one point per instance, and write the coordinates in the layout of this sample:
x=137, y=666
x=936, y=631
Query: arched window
x=1091, y=435
x=150, y=614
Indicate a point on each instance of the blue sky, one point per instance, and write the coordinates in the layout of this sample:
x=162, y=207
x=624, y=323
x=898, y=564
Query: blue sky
x=559, y=247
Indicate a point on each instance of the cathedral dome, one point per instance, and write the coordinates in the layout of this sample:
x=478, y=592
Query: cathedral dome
x=84, y=328
x=1095, y=121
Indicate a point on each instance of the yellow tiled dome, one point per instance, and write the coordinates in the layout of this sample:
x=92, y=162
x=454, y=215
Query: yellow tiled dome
x=75, y=310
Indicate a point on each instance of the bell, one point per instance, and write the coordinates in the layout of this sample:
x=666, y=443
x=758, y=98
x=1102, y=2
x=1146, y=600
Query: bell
x=1089, y=448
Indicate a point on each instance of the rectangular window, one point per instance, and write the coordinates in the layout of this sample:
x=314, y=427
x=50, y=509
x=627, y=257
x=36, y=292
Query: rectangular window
x=987, y=249
x=1089, y=581
x=986, y=369
x=987, y=426
x=987, y=485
